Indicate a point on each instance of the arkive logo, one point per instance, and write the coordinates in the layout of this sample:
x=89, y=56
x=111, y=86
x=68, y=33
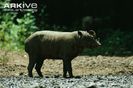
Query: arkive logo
x=20, y=7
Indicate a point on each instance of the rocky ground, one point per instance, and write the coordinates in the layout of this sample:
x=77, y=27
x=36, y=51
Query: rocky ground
x=123, y=81
x=91, y=72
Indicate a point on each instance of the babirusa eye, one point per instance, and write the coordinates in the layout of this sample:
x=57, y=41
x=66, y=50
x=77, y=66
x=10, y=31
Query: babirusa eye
x=98, y=39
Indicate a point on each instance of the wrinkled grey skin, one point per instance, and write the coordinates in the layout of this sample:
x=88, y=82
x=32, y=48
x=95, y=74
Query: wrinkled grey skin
x=57, y=45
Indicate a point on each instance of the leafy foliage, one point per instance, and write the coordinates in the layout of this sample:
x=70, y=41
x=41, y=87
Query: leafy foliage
x=54, y=16
x=12, y=36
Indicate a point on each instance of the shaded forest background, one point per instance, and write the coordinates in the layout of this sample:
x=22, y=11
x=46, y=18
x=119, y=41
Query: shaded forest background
x=111, y=19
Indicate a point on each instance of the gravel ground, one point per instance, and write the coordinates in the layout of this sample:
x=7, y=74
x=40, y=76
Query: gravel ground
x=121, y=81
x=94, y=72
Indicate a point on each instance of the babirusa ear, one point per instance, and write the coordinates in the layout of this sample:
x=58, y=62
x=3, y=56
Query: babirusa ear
x=92, y=32
x=80, y=33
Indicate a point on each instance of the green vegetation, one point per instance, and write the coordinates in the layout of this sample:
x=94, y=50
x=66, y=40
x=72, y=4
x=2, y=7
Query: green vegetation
x=15, y=27
x=12, y=35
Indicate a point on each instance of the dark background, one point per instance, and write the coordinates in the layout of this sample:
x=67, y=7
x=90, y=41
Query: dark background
x=111, y=19
x=116, y=14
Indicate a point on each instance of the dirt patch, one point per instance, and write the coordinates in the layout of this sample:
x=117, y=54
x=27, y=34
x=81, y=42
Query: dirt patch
x=82, y=65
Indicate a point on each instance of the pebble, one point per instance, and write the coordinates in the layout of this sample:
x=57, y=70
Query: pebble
x=121, y=81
